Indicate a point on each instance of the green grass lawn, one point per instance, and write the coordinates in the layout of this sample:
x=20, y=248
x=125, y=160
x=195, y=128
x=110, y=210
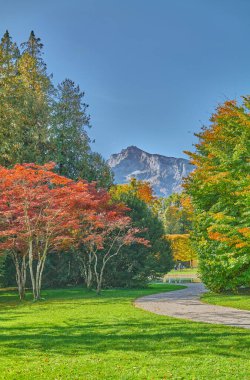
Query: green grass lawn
x=75, y=334
x=183, y=271
x=238, y=301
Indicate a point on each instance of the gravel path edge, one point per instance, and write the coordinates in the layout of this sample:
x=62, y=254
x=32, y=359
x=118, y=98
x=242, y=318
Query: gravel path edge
x=186, y=304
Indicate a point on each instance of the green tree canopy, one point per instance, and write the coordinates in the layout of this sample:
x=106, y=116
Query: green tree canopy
x=220, y=192
x=137, y=264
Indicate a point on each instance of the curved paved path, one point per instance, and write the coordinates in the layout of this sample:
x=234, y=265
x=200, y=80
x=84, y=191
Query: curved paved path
x=186, y=304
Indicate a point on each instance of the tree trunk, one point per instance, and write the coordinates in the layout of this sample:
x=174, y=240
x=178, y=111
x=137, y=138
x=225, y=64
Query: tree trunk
x=106, y=258
x=37, y=287
x=99, y=287
x=99, y=282
x=36, y=276
x=86, y=269
x=23, y=277
x=99, y=277
x=20, y=274
x=40, y=277
x=32, y=277
x=89, y=278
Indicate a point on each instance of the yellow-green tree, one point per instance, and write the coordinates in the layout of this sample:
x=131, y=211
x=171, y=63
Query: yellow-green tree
x=141, y=189
x=220, y=191
x=182, y=249
x=175, y=212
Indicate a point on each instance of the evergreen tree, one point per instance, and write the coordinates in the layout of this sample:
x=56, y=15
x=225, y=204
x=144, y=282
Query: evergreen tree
x=99, y=171
x=9, y=100
x=9, y=55
x=136, y=265
x=34, y=48
x=25, y=102
x=70, y=142
x=37, y=98
x=69, y=137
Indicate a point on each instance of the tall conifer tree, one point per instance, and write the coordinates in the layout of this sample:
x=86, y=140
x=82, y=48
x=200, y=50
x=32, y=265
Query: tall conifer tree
x=38, y=123
x=69, y=137
x=38, y=91
x=25, y=102
x=9, y=99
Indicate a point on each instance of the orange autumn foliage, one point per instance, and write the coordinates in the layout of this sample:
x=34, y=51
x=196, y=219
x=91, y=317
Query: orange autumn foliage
x=140, y=189
x=42, y=212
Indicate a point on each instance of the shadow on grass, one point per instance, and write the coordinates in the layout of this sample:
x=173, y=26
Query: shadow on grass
x=120, y=327
x=169, y=337
x=9, y=298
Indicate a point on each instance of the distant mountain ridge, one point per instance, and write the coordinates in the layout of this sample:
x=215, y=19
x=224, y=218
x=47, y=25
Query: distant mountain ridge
x=165, y=174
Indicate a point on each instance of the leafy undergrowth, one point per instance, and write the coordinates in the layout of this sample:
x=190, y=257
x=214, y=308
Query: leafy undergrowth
x=238, y=301
x=75, y=334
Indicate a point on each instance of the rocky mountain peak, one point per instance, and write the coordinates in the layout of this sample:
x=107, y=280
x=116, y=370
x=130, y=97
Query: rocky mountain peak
x=165, y=174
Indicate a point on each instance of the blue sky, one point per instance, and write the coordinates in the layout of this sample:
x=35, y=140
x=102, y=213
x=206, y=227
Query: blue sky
x=153, y=71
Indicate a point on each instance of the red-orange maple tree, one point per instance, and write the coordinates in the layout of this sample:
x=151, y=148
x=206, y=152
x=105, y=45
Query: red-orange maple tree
x=109, y=229
x=43, y=212
x=36, y=216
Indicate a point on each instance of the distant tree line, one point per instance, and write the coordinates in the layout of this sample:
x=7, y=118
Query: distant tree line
x=175, y=213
